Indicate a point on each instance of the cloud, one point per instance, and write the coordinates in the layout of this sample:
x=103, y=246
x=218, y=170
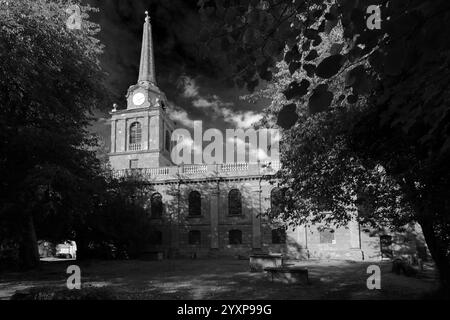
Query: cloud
x=189, y=87
x=252, y=151
x=179, y=115
x=215, y=107
x=243, y=120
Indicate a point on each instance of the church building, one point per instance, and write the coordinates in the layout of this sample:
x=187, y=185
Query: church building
x=218, y=210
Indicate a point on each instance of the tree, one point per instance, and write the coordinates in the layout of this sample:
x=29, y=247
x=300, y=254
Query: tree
x=395, y=80
x=50, y=81
x=120, y=219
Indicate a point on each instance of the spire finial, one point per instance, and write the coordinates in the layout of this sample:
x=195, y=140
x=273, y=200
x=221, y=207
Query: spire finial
x=147, y=65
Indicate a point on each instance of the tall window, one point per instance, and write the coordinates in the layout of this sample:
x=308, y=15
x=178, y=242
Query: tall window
x=168, y=138
x=235, y=237
x=195, y=203
x=234, y=203
x=194, y=237
x=326, y=235
x=275, y=202
x=135, y=133
x=156, y=205
x=279, y=236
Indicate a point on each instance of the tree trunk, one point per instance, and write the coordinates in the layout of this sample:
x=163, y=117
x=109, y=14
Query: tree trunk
x=28, y=250
x=439, y=254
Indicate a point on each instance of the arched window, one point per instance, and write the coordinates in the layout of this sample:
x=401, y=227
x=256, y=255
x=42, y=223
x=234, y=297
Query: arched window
x=195, y=203
x=155, y=238
x=275, y=202
x=235, y=237
x=234, y=203
x=168, y=138
x=194, y=237
x=279, y=236
x=156, y=205
x=135, y=133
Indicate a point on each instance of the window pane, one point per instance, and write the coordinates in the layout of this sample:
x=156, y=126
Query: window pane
x=135, y=133
x=156, y=205
x=195, y=203
x=275, y=202
x=234, y=202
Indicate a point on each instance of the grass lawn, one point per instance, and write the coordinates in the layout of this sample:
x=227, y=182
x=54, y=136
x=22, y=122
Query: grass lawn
x=223, y=279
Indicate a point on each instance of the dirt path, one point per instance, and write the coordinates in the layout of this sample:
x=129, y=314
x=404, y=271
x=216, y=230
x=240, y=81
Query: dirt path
x=222, y=279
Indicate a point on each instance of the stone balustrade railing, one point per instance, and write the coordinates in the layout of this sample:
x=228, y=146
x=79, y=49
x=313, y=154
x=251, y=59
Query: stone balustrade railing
x=203, y=170
x=135, y=147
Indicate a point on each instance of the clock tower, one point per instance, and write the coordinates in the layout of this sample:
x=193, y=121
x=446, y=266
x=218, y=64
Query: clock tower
x=141, y=134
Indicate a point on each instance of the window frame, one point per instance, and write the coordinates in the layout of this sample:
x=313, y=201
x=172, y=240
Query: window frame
x=160, y=212
x=135, y=136
x=194, y=207
x=235, y=202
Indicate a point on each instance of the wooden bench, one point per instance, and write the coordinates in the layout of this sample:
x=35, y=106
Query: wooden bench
x=288, y=274
x=260, y=261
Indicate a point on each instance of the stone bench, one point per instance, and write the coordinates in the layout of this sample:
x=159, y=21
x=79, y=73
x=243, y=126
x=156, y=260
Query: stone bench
x=288, y=274
x=260, y=261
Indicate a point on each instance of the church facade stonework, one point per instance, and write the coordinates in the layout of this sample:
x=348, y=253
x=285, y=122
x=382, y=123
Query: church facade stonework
x=219, y=210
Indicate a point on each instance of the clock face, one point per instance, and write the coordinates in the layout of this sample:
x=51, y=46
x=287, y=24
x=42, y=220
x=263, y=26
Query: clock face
x=138, y=98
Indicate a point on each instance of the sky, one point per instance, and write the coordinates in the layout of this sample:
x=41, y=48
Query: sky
x=194, y=87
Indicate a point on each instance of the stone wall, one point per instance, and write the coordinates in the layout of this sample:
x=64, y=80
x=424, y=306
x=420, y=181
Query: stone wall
x=215, y=223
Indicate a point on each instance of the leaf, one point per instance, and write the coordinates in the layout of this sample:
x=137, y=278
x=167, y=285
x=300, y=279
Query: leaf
x=294, y=66
x=311, y=34
x=296, y=90
x=317, y=41
x=292, y=55
x=287, y=117
x=310, y=69
x=336, y=48
x=320, y=100
x=311, y=55
x=330, y=66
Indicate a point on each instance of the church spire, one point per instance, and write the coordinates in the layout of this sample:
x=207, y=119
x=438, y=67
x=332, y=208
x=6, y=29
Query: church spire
x=147, y=66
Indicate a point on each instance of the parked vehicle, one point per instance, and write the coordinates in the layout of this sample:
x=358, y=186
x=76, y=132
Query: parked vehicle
x=67, y=250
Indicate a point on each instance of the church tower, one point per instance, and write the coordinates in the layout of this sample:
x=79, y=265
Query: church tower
x=141, y=134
